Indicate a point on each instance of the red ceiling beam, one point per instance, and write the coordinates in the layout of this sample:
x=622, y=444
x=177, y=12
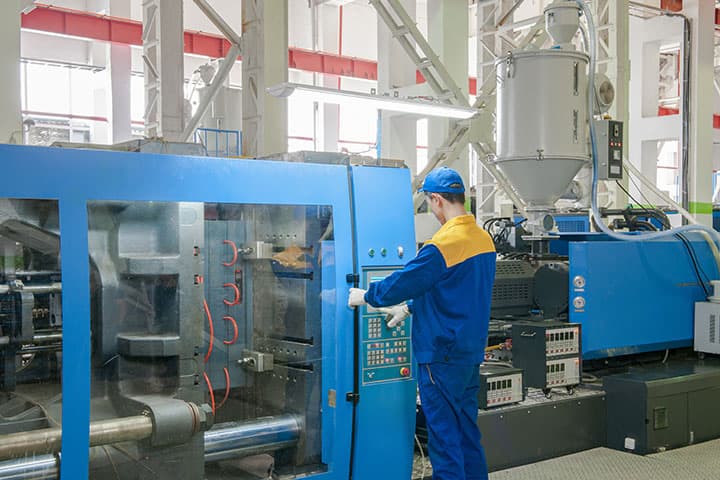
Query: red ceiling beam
x=93, y=26
x=83, y=24
x=671, y=5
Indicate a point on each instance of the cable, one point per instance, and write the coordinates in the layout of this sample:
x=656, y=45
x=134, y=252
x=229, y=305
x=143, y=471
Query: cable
x=235, y=253
x=649, y=209
x=499, y=363
x=640, y=205
x=652, y=212
x=709, y=234
x=51, y=420
x=211, y=330
x=632, y=180
x=667, y=354
x=236, y=290
x=227, y=387
x=693, y=256
x=695, y=263
x=112, y=462
x=210, y=390
x=234, y=324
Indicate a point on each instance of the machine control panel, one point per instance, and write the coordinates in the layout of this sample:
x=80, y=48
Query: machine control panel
x=562, y=341
x=549, y=353
x=609, y=135
x=563, y=373
x=500, y=386
x=386, y=352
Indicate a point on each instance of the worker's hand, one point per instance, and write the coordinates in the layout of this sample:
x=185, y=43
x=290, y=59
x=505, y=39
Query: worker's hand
x=356, y=297
x=395, y=314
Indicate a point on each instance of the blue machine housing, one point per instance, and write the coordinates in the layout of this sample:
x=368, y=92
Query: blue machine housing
x=372, y=211
x=569, y=223
x=633, y=297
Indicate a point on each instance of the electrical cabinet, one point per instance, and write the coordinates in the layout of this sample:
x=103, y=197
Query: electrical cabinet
x=651, y=410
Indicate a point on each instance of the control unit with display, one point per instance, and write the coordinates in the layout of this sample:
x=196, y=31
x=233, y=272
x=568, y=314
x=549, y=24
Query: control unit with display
x=386, y=352
x=549, y=353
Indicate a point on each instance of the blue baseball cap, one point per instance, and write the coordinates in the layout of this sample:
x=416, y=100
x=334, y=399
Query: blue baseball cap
x=443, y=180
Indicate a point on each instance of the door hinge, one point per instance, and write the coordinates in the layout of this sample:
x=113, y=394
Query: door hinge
x=352, y=397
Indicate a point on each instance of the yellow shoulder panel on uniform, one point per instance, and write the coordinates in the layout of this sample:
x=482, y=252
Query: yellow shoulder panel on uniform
x=460, y=239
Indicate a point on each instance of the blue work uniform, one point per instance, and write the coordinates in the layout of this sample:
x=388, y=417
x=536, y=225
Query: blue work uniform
x=449, y=287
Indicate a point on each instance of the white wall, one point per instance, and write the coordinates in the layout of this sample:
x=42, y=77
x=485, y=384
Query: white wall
x=359, y=31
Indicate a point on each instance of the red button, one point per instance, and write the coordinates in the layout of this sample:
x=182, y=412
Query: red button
x=405, y=372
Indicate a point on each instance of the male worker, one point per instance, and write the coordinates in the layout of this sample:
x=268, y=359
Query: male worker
x=448, y=286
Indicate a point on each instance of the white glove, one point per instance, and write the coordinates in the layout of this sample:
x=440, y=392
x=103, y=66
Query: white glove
x=356, y=297
x=395, y=314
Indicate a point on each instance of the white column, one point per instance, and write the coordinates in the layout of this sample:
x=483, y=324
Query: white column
x=164, y=73
x=327, y=32
x=448, y=36
x=702, y=17
x=395, y=69
x=101, y=132
x=112, y=86
x=11, y=119
x=120, y=71
x=613, y=20
x=489, y=48
x=265, y=63
x=329, y=118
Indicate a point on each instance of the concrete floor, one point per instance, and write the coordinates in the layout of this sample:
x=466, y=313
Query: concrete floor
x=697, y=462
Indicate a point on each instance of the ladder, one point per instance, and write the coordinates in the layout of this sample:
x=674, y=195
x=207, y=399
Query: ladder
x=442, y=84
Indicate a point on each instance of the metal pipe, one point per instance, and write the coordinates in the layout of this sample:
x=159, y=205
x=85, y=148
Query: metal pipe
x=685, y=161
x=241, y=439
x=49, y=440
x=224, y=441
x=47, y=337
x=55, y=287
x=55, y=347
x=219, y=22
x=44, y=467
x=510, y=12
x=213, y=89
x=120, y=430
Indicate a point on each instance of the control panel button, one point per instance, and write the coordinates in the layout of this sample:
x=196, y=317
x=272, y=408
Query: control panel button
x=405, y=372
x=579, y=303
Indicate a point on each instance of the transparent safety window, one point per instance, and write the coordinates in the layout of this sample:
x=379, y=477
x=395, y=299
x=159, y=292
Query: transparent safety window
x=31, y=333
x=208, y=313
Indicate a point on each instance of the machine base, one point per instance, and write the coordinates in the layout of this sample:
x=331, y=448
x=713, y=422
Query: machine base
x=657, y=408
x=539, y=428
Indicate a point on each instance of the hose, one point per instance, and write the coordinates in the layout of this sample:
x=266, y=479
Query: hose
x=708, y=234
